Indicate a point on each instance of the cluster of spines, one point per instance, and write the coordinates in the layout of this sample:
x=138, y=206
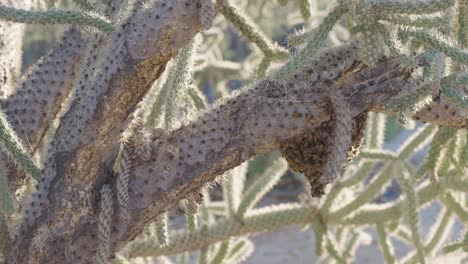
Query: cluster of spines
x=416, y=102
x=135, y=142
x=42, y=86
x=161, y=90
x=437, y=69
x=42, y=235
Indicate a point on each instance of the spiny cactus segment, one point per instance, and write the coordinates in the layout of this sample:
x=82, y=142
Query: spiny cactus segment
x=43, y=86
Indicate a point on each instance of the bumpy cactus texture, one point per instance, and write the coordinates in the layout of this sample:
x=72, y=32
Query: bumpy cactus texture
x=207, y=14
x=142, y=108
x=42, y=87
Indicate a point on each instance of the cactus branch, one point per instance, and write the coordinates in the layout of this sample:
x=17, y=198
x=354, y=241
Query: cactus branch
x=258, y=220
x=15, y=149
x=54, y=17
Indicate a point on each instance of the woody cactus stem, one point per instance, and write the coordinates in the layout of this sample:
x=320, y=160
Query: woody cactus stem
x=216, y=142
x=159, y=25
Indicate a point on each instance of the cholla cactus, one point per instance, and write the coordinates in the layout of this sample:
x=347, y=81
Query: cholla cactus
x=111, y=131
